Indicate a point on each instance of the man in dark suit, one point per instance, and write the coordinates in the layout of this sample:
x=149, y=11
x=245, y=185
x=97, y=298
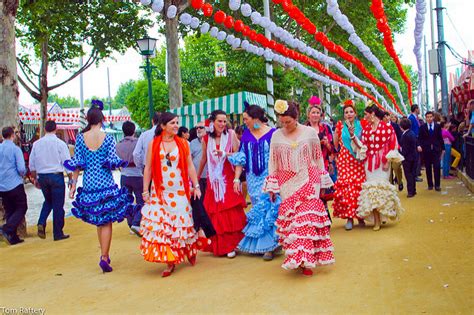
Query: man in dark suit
x=408, y=148
x=432, y=146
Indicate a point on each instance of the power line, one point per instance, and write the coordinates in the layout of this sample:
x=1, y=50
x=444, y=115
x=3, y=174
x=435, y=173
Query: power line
x=456, y=30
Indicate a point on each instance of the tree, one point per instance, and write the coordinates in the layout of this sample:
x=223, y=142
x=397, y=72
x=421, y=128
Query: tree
x=123, y=91
x=64, y=102
x=8, y=76
x=56, y=32
x=137, y=101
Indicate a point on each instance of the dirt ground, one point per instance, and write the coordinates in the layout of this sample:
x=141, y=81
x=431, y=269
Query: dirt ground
x=423, y=264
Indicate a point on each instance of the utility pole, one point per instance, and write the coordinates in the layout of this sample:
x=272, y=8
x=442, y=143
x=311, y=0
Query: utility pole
x=269, y=67
x=427, y=106
x=110, y=98
x=442, y=58
x=433, y=47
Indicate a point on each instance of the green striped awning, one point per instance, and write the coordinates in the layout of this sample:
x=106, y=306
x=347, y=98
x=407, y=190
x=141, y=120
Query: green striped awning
x=232, y=104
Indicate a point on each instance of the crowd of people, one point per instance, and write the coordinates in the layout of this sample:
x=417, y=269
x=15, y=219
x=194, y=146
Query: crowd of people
x=183, y=190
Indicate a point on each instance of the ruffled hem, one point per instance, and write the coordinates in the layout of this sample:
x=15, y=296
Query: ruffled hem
x=164, y=253
x=266, y=242
x=73, y=165
x=113, y=165
x=381, y=196
x=228, y=221
x=271, y=185
x=112, y=207
x=293, y=264
x=222, y=244
x=308, y=260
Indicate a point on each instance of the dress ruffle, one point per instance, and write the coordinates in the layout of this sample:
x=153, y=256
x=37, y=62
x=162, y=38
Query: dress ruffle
x=303, y=227
x=105, y=206
x=113, y=165
x=73, y=164
x=260, y=232
x=237, y=159
x=380, y=195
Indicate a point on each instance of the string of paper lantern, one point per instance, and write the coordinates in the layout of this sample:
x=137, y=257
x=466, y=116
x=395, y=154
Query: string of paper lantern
x=296, y=14
x=419, y=23
x=382, y=25
x=291, y=41
x=343, y=21
x=239, y=26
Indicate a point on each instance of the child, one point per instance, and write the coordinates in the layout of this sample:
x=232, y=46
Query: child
x=408, y=145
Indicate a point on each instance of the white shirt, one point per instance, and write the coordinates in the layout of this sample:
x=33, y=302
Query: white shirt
x=139, y=154
x=48, y=155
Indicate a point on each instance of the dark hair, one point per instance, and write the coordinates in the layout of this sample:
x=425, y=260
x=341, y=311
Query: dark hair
x=156, y=118
x=239, y=130
x=213, y=117
x=7, y=132
x=128, y=128
x=429, y=113
x=405, y=123
x=50, y=126
x=182, y=130
x=442, y=124
x=192, y=134
x=165, y=118
x=256, y=112
x=94, y=116
x=380, y=114
x=386, y=114
x=413, y=108
x=292, y=111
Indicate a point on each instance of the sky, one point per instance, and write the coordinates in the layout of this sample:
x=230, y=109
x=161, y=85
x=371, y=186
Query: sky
x=458, y=34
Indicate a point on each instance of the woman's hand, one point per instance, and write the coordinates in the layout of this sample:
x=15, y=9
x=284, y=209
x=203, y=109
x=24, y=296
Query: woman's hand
x=272, y=196
x=237, y=187
x=146, y=197
x=197, y=193
x=385, y=167
x=351, y=131
x=72, y=191
x=219, y=153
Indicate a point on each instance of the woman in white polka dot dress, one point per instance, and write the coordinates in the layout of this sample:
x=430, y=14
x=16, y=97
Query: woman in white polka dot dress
x=378, y=199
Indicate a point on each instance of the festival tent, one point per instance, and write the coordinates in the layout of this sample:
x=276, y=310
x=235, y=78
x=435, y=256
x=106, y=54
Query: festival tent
x=232, y=104
x=464, y=89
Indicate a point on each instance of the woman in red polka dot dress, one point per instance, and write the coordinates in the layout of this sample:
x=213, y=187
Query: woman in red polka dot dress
x=224, y=206
x=350, y=170
x=296, y=172
x=378, y=199
x=167, y=226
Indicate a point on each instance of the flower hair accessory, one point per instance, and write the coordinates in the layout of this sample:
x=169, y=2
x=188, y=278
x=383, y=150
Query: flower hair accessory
x=97, y=104
x=314, y=100
x=281, y=107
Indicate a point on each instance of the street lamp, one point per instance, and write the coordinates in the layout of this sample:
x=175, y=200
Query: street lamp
x=299, y=92
x=147, y=49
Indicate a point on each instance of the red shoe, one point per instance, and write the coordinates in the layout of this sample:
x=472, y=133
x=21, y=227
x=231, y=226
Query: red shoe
x=167, y=273
x=307, y=271
x=192, y=260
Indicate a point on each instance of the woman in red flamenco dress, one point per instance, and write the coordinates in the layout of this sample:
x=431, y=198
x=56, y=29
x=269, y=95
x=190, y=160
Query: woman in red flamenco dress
x=350, y=170
x=224, y=206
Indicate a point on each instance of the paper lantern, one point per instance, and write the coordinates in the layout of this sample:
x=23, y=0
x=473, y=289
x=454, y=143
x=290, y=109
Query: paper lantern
x=145, y=2
x=171, y=13
x=185, y=18
x=194, y=23
x=246, y=10
x=197, y=4
x=229, y=22
x=239, y=26
x=157, y=5
x=207, y=9
x=205, y=28
x=219, y=17
x=234, y=5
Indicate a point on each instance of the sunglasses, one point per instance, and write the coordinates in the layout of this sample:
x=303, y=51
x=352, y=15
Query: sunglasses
x=201, y=127
x=168, y=159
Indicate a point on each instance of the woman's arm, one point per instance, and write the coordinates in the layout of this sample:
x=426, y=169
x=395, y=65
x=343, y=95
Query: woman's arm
x=193, y=177
x=73, y=182
x=203, y=159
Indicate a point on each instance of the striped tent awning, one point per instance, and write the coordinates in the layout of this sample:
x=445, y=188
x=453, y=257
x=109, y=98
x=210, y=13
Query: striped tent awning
x=232, y=104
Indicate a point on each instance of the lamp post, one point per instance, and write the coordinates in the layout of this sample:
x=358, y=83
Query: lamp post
x=147, y=49
x=299, y=92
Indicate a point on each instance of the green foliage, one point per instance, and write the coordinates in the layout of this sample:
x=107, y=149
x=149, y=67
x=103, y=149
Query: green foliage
x=137, y=101
x=64, y=102
x=123, y=91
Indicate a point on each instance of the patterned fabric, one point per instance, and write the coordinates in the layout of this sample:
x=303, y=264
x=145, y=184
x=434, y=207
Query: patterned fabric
x=260, y=231
x=99, y=201
x=351, y=176
x=297, y=172
x=167, y=224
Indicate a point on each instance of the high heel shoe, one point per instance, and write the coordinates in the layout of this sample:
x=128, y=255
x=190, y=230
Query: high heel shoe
x=104, y=265
x=168, y=272
x=306, y=271
x=192, y=260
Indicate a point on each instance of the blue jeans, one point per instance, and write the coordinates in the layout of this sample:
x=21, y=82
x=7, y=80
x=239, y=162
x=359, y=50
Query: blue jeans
x=447, y=159
x=134, y=185
x=54, y=189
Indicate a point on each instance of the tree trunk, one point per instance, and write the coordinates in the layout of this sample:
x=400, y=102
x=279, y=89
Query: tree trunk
x=8, y=76
x=44, y=85
x=174, y=70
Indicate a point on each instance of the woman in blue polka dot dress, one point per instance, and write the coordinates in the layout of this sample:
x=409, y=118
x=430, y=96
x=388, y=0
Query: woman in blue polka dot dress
x=100, y=201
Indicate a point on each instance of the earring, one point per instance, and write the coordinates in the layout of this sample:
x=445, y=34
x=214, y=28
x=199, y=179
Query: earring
x=256, y=126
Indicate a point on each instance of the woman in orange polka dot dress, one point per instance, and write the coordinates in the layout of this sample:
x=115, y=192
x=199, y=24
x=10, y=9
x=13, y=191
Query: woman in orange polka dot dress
x=167, y=225
x=350, y=171
x=224, y=206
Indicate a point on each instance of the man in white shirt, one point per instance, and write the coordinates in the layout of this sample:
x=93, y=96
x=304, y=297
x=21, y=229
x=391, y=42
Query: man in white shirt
x=46, y=165
x=139, y=154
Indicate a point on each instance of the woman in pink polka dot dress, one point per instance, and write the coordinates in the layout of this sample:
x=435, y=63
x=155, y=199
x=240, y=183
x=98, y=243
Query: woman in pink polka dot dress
x=350, y=170
x=378, y=199
x=296, y=172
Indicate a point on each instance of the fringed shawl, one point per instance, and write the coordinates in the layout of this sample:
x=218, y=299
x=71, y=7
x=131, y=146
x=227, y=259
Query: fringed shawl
x=250, y=144
x=157, y=176
x=379, y=142
x=286, y=155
